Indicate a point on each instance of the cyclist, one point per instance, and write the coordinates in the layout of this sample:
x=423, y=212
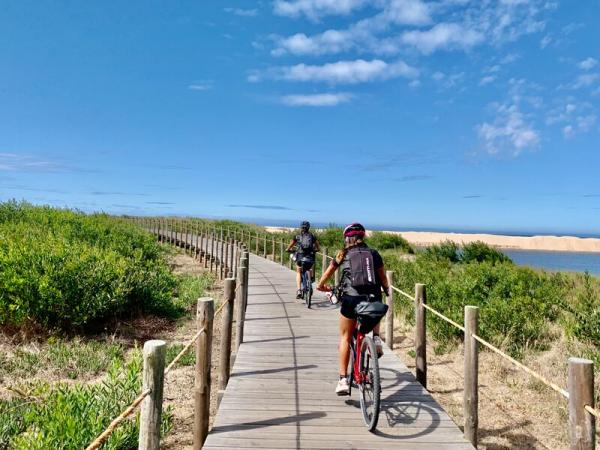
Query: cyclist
x=306, y=245
x=362, y=273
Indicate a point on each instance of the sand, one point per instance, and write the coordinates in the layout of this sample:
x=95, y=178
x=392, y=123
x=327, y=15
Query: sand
x=542, y=243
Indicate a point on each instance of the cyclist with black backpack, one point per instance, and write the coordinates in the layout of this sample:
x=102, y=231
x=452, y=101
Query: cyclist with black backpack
x=362, y=276
x=305, y=245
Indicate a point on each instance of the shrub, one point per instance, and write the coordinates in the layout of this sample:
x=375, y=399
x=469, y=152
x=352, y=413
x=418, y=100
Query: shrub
x=516, y=303
x=60, y=268
x=387, y=241
x=70, y=416
x=480, y=252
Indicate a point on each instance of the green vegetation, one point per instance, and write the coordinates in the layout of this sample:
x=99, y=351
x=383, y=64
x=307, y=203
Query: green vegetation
x=70, y=416
x=64, y=269
x=190, y=288
x=517, y=304
x=62, y=358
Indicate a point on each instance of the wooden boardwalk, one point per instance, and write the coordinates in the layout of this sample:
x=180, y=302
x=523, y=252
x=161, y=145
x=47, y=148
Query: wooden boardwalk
x=281, y=391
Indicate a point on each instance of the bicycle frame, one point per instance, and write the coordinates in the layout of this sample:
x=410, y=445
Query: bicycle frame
x=357, y=377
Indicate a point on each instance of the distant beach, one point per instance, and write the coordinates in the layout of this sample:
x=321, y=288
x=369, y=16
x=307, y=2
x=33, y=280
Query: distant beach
x=539, y=243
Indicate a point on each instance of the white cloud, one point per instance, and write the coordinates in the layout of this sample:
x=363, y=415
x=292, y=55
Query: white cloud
x=327, y=99
x=315, y=9
x=442, y=36
x=360, y=35
x=331, y=41
x=582, y=124
x=585, y=80
x=509, y=132
x=242, y=12
x=545, y=42
x=340, y=72
x=12, y=162
x=487, y=80
x=588, y=63
x=203, y=85
x=467, y=24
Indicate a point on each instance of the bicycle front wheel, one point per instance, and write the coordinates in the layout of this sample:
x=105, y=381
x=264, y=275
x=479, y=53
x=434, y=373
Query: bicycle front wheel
x=307, y=288
x=370, y=386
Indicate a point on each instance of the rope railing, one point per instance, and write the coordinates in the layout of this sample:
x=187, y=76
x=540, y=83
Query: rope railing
x=231, y=291
x=102, y=437
x=523, y=367
x=262, y=243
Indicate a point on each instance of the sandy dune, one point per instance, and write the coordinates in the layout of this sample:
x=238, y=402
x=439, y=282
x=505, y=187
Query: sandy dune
x=548, y=243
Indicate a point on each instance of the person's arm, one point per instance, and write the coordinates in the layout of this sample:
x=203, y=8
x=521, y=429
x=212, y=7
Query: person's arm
x=384, y=281
x=291, y=246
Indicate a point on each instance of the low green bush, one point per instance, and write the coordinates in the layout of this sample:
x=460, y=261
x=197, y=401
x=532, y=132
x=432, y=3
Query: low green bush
x=70, y=416
x=516, y=303
x=388, y=241
x=65, y=269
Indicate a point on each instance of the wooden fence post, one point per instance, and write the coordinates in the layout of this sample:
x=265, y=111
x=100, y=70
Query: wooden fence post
x=324, y=261
x=256, y=243
x=204, y=319
x=582, y=432
x=212, y=250
x=471, y=390
x=240, y=300
x=151, y=409
x=281, y=252
x=265, y=248
x=420, y=335
x=246, y=281
x=389, y=317
x=226, y=261
x=221, y=257
x=226, y=323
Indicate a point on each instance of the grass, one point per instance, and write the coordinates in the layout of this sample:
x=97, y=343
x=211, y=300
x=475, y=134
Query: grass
x=70, y=416
x=62, y=358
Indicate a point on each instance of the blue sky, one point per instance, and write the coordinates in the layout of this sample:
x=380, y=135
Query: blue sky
x=447, y=114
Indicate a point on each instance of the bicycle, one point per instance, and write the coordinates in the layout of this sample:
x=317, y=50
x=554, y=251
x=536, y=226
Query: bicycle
x=305, y=280
x=364, y=365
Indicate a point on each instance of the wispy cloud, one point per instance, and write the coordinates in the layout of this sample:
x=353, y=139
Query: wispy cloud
x=411, y=178
x=242, y=12
x=160, y=203
x=12, y=162
x=509, y=132
x=271, y=207
x=340, y=72
x=443, y=36
x=326, y=99
x=588, y=63
x=316, y=9
x=118, y=193
x=472, y=196
x=203, y=85
x=585, y=80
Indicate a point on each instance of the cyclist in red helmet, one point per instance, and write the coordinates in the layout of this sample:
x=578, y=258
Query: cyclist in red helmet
x=357, y=280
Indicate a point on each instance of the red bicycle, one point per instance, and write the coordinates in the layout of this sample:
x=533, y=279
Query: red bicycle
x=363, y=367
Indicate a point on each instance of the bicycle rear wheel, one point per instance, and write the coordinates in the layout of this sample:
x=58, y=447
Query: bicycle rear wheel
x=370, y=387
x=306, y=288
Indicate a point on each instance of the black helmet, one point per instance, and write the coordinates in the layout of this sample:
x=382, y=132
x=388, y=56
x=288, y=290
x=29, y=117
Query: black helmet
x=355, y=229
x=305, y=225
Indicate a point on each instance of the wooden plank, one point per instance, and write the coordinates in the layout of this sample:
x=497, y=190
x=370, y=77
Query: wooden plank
x=281, y=390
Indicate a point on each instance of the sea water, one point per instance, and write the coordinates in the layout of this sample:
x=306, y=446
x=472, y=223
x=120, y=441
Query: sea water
x=563, y=261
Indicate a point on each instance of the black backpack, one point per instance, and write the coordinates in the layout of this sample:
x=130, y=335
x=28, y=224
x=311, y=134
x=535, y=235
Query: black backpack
x=306, y=243
x=362, y=268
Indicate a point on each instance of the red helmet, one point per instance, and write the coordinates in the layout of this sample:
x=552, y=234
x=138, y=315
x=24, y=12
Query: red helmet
x=356, y=229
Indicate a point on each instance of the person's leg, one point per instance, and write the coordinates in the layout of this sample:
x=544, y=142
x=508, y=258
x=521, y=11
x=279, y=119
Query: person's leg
x=346, y=330
x=298, y=277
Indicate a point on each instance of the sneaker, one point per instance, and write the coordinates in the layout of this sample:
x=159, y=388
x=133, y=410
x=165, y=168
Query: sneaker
x=299, y=293
x=378, y=346
x=342, y=388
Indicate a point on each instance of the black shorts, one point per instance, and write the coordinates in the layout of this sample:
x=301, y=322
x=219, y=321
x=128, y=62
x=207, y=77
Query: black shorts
x=348, y=308
x=305, y=263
